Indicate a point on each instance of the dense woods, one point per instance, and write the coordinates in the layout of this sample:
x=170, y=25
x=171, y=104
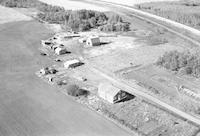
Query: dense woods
x=83, y=20
x=183, y=62
x=80, y=20
x=186, y=12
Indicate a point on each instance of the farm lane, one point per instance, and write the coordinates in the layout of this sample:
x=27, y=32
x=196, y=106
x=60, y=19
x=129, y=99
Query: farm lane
x=29, y=106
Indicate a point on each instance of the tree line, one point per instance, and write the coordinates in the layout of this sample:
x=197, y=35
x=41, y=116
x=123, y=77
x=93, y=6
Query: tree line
x=183, y=62
x=79, y=20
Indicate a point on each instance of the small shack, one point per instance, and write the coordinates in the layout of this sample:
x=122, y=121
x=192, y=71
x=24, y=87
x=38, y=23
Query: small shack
x=111, y=93
x=93, y=41
x=73, y=63
x=60, y=51
x=46, y=44
x=44, y=71
x=82, y=40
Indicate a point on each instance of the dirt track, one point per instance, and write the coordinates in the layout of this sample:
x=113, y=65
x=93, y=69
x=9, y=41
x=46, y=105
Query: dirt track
x=29, y=106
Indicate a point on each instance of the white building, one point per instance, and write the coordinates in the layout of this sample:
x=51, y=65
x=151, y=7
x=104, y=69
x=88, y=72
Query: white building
x=72, y=63
x=93, y=41
x=60, y=51
x=111, y=93
x=82, y=40
x=47, y=44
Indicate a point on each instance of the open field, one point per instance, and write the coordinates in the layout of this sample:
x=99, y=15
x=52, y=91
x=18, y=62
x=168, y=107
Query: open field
x=10, y=15
x=77, y=4
x=74, y=5
x=133, y=2
x=164, y=85
x=29, y=106
x=183, y=12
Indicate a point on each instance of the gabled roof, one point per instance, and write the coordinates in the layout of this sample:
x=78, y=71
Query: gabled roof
x=72, y=61
x=109, y=89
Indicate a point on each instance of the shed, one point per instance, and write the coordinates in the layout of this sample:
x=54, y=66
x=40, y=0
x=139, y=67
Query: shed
x=111, y=93
x=73, y=63
x=93, y=41
x=82, y=40
x=44, y=71
x=47, y=44
x=60, y=51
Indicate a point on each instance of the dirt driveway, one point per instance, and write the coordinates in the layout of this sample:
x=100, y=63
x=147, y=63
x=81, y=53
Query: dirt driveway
x=29, y=106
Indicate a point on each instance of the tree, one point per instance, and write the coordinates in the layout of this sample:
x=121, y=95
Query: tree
x=74, y=90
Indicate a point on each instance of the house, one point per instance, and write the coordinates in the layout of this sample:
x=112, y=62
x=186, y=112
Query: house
x=111, y=93
x=73, y=63
x=93, y=41
x=60, y=51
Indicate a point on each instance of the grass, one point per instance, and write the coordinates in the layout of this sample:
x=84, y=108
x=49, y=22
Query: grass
x=10, y=15
x=185, y=12
x=135, y=114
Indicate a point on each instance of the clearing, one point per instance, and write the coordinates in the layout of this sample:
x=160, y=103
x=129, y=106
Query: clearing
x=11, y=15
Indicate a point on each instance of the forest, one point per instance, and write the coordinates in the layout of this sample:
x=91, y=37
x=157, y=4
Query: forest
x=183, y=62
x=79, y=20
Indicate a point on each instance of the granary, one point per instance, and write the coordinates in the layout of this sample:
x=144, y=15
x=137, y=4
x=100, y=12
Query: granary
x=73, y=63
x=111, y=93
x=60, y=51
x=92, y=41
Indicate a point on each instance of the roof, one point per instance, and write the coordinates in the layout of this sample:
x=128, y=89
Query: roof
x=72, y=61
x=60, y=48
x=93, y=37
x=109, y=89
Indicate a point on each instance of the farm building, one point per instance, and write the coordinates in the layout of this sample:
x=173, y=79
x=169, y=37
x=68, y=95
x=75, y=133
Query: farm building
x=60, y=51
x=73, y=63
x=82, y=40
x=111, y=93
x=47, y=44
x=93, y=41
x=44, y=71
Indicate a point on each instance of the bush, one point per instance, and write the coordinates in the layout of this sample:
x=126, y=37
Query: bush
x=74, y=90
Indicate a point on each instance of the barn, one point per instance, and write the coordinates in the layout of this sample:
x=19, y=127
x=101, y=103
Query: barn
x=111, y=93
x=93, y=41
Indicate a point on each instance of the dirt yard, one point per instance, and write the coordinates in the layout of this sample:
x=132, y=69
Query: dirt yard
x=123, y=57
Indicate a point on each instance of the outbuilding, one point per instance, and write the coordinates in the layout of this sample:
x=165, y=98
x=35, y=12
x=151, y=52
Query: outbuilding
x=60, y=51
x=93, y=41
x=111, y=93
x=73, y=63
x=47, y=44
x=82, y=40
